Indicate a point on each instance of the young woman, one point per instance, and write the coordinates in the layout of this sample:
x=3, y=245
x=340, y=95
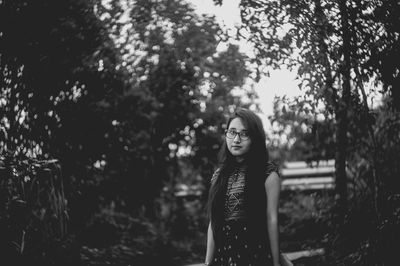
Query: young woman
x=243, y=198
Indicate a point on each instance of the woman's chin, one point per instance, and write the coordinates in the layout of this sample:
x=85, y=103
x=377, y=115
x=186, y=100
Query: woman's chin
x=237, y=153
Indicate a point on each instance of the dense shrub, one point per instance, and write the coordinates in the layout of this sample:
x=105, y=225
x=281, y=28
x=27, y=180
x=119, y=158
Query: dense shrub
x=33, y=210
x=370, y=232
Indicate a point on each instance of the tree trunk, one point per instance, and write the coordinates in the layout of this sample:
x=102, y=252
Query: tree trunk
x=342, y=113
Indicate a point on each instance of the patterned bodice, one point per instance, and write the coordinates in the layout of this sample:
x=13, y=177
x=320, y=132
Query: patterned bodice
x=234, y=198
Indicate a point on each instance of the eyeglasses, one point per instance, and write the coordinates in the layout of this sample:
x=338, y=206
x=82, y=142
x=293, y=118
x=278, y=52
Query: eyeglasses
x=231, y=134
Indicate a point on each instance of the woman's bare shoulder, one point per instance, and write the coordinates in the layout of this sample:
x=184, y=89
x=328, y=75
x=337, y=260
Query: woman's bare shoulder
x=272, y=167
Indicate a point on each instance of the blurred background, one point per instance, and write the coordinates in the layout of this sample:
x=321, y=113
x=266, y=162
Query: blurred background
x=112, y=116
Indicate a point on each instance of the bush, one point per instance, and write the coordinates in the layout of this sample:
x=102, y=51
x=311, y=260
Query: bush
x=369, y=234
x=33, y=210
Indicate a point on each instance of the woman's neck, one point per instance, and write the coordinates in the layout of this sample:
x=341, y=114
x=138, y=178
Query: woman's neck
x=239, y=159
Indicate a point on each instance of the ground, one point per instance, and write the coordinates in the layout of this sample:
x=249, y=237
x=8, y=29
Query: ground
x=118, y=238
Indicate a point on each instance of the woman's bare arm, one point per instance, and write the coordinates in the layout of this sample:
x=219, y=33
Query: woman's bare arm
x=273, y=187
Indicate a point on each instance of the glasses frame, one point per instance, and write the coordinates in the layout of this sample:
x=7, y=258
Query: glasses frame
x=237, y=134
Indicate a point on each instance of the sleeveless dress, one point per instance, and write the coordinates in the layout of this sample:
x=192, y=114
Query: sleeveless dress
x=237, y=247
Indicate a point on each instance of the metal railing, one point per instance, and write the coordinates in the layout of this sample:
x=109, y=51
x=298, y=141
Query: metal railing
x=314, y=176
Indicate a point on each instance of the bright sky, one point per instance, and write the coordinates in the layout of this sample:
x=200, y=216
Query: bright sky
x=279, y=83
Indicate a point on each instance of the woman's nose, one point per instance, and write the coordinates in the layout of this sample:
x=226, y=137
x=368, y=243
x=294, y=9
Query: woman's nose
x=237, y=138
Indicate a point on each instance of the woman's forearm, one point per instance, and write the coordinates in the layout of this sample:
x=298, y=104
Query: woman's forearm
x=210, y=245
x=273, y=232
x=272, y=188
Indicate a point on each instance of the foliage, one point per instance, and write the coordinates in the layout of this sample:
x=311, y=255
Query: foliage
x=184, y=85
x=305, y=219
x=174, y=237
x=114, y=90
x=385, y=20
x=121, y=93
x=308, y=37
x=33, y=210
x=364, y=237
x=300, y=133
x=337, y=47
x=52, y=81
x=59, y=88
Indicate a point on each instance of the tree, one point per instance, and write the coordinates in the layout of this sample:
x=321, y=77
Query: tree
x=299, y=132
x=331, y=46
x=185, y=85
x=107, y=88
x=58, y=76
x=337, y=47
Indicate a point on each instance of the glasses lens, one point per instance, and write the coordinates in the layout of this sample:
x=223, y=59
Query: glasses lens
x=244, y=135
x=230, y=134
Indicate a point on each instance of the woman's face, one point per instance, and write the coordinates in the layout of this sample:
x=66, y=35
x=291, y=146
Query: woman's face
x=237, y=139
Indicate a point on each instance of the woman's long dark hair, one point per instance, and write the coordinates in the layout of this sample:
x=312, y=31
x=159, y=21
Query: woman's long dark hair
x=256, y=160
